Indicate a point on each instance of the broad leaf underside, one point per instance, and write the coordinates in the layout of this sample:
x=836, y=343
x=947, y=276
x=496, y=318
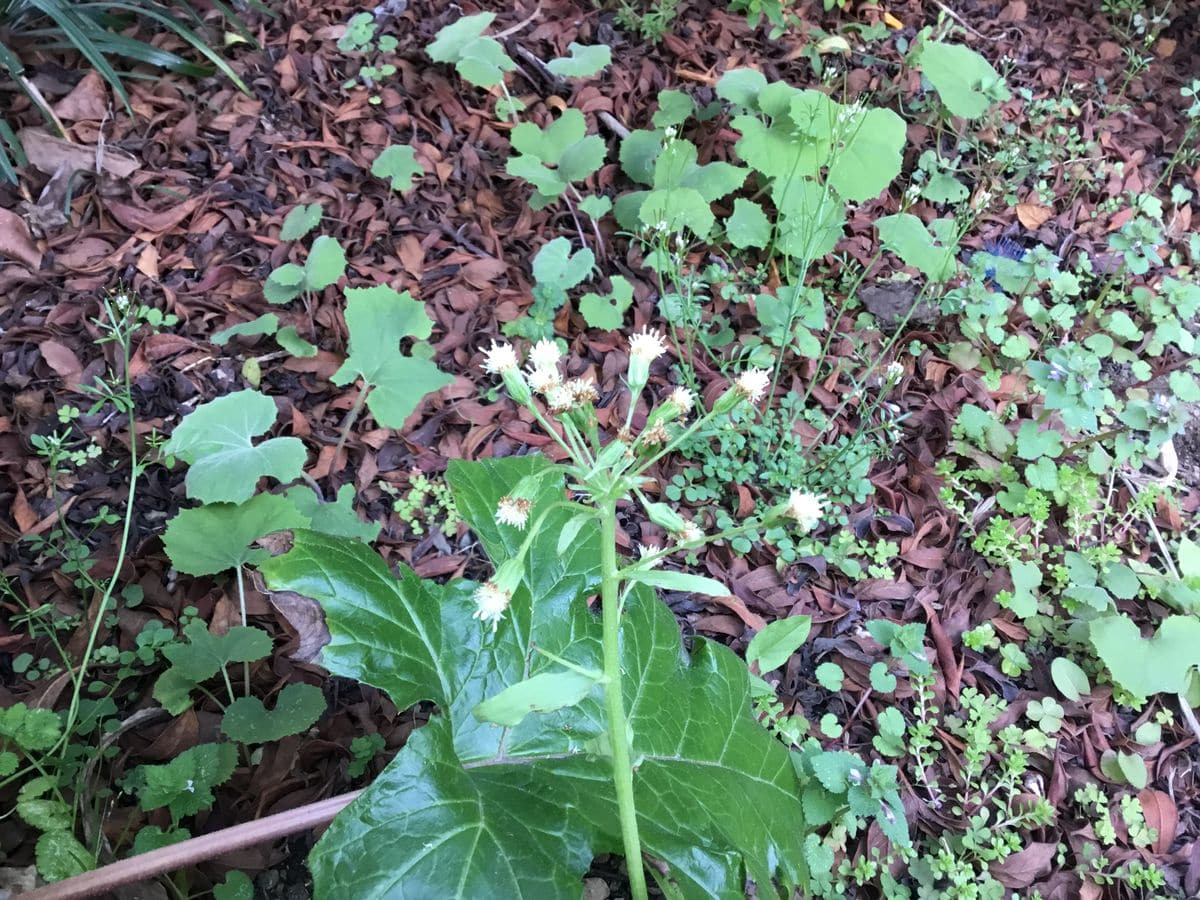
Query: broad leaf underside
x=472, y=810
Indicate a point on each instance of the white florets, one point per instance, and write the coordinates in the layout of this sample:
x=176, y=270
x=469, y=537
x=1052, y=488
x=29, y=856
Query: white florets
x=647, y=550
x=582, y=391
x=753, y=383
x=513, y=511
x=560, y=398
x=805, y=508
x=544, y=380
x=499, y=359
x=490, y=604
x=647, y=345
x=683, y=399
x=690, y=534
x=545, y=356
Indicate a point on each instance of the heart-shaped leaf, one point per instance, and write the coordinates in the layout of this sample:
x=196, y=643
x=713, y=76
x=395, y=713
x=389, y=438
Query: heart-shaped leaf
x=217, y=440
x=398, y=166
x=300, y=221
x=965, y=81
x=297, y=707
x=583, y=61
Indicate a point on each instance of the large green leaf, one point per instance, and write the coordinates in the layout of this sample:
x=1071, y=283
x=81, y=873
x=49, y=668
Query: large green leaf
x=216, y=537
x=216, y=439
x=965, y=81
x=872, y=155
x=906, y=236
x=470, y=809
x=378, y=319
x=1164, y=663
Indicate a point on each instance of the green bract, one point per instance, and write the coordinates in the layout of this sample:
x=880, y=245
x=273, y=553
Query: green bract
x=471, y=809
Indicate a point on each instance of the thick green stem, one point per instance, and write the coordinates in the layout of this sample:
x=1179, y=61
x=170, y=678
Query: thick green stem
x=618, y=726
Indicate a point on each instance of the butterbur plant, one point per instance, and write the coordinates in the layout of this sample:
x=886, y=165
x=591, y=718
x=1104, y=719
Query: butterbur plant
x=570, y=721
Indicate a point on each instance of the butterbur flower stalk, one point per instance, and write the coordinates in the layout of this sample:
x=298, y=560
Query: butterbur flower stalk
x=605, y=470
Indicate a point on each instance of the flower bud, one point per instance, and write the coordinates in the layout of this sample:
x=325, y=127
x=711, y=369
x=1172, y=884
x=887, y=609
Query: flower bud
x=518, y=387
x=665, y=517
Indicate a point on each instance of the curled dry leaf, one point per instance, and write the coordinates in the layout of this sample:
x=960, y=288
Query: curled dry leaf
x=302, y=613
x=1161, y=815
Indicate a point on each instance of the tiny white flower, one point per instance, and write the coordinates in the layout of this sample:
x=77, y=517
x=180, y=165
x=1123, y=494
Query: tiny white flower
x=647, y=345
x=753, y=383
x=545, y=355
x=544, y=380
x=895, y=371
x=689, y=535
x=490, y=604
x=513, y=511
x=647, y=550
x=560, y=398
x=805, y=508
x=670, y=131
x=683, y=399
x=499, y=359
x=583, y=391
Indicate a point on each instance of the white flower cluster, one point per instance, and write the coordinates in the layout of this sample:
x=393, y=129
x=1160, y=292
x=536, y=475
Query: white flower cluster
x=543, y=376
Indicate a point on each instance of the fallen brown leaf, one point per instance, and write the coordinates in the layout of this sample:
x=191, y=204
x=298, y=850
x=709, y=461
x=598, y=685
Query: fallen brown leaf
x=1161, y=815
x=62, y=360
x=16, y=241
x=1033, y=215
x=88, y=101
x=48, y=154
x=1024, y=867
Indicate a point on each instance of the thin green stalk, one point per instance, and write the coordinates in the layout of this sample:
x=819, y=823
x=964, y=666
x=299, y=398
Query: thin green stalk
x=242, y=606
x=348, y=422
x=618, y=725
x=135, y=470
